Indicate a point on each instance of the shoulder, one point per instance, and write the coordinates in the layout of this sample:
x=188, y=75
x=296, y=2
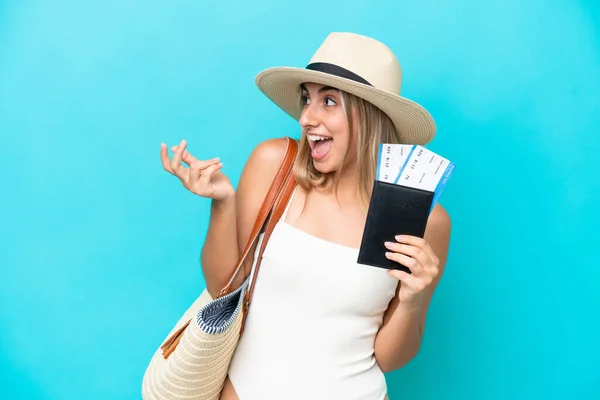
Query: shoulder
x=439, y=219
x=269, y=153
x=262, y=166
x=256, y=179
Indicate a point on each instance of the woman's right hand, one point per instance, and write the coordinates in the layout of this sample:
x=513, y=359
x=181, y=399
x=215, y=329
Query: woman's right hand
x=202, y=177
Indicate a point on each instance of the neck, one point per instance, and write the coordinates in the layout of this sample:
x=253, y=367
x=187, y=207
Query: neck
x=348, y=184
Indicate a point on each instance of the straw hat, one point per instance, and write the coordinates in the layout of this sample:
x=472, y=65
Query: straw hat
x=358, y=65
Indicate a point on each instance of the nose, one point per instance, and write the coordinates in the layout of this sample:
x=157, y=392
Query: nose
x=309, y=116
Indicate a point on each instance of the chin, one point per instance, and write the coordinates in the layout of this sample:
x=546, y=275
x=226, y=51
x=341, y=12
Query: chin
x=325, y=167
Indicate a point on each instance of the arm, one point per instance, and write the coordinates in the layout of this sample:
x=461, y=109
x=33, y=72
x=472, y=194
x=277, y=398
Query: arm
x=231, y=220
x=218, y=256
x=400, y=335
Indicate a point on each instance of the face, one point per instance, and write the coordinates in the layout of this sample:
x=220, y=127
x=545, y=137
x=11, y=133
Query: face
x=325, y=125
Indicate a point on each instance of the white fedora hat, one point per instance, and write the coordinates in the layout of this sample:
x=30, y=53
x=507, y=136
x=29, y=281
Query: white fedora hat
x=358, y=65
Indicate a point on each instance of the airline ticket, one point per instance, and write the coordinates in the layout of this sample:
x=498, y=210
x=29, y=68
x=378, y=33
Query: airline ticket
x=414, y=166
x=391, y=160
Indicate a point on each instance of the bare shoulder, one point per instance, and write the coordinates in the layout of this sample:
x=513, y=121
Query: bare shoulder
x=256, y=178
x=261, y=167
x=267, y=155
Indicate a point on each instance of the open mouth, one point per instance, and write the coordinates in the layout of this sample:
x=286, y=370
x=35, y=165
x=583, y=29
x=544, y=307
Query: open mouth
x=320, y=145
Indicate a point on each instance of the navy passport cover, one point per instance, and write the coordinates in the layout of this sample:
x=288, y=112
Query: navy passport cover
x=393, y=210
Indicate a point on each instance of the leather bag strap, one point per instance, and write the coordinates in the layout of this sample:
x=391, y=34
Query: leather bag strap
x=274, y=192
x=279, y=208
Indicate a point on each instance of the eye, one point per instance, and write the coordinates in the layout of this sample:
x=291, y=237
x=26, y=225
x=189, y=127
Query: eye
x=329, y=102
x=305, y=99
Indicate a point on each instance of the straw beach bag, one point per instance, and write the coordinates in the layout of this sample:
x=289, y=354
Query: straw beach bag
x=192, y=363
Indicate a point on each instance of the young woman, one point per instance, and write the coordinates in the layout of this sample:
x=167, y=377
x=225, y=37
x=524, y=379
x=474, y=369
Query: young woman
x=322, y=326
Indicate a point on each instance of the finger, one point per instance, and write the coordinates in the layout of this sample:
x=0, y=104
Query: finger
x=417, y=241
x=406, y=278
x=203, y=164
x=415, y=267
x=206, y=174
x=174, y=150
x=176, y=160
x=164, y=157
x=197, y=167
x=422, y=256
x=195, y=172
x=186, y=157
x=190, y=160
x=412, y=240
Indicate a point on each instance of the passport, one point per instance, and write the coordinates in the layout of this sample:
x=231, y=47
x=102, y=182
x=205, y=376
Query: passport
x=409, y=181
x=424, y=169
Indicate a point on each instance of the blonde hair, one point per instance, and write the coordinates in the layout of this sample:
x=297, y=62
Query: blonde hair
x=374, y=128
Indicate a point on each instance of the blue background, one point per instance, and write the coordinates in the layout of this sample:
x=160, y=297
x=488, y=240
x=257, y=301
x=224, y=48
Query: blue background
x=99, y=246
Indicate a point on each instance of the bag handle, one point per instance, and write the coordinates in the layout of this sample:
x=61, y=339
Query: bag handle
x=274, y=190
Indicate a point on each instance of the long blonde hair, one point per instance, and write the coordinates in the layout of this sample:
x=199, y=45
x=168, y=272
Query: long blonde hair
x=374, y=128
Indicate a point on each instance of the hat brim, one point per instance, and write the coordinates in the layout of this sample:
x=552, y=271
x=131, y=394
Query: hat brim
x=413, y=123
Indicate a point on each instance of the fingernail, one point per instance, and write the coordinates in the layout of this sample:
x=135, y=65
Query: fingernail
x=388, y=244
x=388, y=254
x=400, y=238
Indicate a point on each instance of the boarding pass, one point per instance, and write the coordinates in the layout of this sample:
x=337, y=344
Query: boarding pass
x=414, y=166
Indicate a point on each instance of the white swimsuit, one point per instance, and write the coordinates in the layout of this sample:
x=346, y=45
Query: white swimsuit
x=311, y=327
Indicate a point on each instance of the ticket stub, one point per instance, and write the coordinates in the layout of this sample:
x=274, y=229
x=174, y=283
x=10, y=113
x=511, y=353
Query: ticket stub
x=424, y=169
x=391, y=160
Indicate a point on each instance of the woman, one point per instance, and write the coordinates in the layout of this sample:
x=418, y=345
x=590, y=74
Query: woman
x=322, y=326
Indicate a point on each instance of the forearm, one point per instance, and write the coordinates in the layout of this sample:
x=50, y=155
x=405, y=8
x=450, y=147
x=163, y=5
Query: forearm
x=220, y=252
x=399, y=340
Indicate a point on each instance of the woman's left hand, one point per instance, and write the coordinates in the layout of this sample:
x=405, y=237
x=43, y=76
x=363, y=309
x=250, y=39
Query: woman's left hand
x=416, y=254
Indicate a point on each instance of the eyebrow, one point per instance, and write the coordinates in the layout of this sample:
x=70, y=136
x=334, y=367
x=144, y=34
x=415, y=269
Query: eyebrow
x=321, y=90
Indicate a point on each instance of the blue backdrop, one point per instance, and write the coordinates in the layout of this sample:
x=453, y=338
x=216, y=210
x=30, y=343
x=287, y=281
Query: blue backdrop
x=99, y=246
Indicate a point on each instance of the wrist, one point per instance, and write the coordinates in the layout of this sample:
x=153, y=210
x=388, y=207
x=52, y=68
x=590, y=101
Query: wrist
x=224, y=202
x=414, y=306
